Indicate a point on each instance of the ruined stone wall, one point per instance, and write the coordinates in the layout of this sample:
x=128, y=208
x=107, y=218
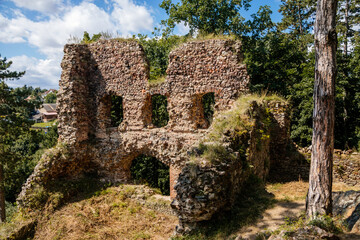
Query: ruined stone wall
x=295, y=165
x=347, y=167
x=205, y=188
x=73, y=95
x=93, y=73
x=120, y=68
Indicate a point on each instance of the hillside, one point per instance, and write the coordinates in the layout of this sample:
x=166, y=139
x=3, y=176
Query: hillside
x=122, y=212
x=138, y=212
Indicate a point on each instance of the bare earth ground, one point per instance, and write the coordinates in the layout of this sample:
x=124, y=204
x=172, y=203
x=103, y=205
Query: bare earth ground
x=291, y=203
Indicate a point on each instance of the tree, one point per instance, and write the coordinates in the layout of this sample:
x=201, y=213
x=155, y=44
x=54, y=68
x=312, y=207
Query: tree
x=13, y=120
x=319, y=199
x=157, y=51
x=207, y=16
x=297, y=16
x=347, y=84
x=347, y=21
x=50, y=98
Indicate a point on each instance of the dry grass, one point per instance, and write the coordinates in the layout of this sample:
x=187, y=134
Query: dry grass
x=211, y=37
x=297, y=190
x=111, y=214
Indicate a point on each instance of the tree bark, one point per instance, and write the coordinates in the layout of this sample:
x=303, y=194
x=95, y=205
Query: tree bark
x=319, y=200
x=347, y=27
x=300, y=19
x=2, y=195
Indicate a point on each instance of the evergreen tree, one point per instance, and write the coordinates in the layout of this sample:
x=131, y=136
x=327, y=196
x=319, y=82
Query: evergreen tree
x=298, y=16
x=347, y=117
x=319, y=198
x=13, y=121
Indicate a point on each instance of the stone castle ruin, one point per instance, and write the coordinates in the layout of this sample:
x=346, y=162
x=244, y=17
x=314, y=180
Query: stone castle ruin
x=93, y=73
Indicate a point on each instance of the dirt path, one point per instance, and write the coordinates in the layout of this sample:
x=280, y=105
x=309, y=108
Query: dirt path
x=291, y=202
x=273, y=218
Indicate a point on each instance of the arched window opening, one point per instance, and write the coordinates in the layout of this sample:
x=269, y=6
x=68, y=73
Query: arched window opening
x=148, y=170
x=160, y=115
x=116, y=110
x=208, y=102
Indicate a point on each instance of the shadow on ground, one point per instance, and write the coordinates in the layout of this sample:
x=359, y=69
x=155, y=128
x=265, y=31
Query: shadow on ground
x=249, y=207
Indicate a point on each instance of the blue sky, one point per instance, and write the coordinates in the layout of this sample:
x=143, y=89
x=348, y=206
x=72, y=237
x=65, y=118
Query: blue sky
x=33, y=32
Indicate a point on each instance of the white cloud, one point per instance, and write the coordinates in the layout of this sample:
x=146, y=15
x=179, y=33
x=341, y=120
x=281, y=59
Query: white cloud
x=12, y=30
x=39, y=72
x=182, y=29
x=131, y=18
x=50, y=35
x=43, y=6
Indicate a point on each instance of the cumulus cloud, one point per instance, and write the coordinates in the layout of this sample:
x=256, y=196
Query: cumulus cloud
x=65, y=20
x=12, y=30
x=130, y=17
x=39, y=72
x=43, y=6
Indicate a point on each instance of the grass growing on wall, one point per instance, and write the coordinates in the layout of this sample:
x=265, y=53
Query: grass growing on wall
x=234, y=123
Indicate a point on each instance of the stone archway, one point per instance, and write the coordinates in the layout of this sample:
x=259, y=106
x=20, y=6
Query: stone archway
x=149, y=170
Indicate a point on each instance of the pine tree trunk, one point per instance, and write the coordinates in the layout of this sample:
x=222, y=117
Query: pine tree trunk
x=320, y=180
x=2, y=195
x=347, y=27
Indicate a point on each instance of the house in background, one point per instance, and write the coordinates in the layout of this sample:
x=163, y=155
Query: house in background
x=43, y=95
x=46, y=113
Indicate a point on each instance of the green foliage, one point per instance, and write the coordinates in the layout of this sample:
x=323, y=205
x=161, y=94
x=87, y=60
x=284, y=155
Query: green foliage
x=207, y=16
x=234, y=126
x=16, y=139
x=302, y=101
x=116, y=111
x=297, y=15
x=274, y=63
x=208, y=101
x=348, y=18
x=151, y=171
x=11, y=210
x=50, y=98
x=50, y=137
x=327, y=223
x=157, y=51
x=160, y=116
x=26, y=153
x=86, y=38
x=215, y=153
x=5, y=73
